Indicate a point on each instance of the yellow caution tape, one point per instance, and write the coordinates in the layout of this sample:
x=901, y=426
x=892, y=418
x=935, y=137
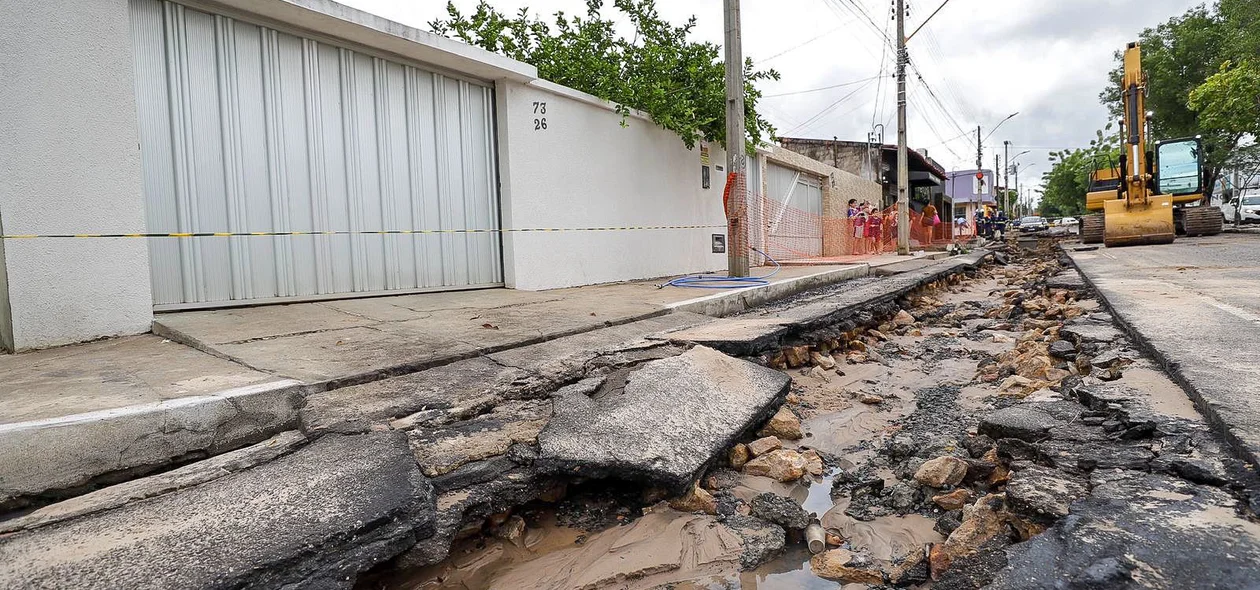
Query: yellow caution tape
x=389, y=232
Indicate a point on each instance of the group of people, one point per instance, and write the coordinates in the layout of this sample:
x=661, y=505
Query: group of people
x=989, y=224
x=871, y=226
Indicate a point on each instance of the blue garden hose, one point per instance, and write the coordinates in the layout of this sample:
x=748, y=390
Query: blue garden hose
x=710, y=282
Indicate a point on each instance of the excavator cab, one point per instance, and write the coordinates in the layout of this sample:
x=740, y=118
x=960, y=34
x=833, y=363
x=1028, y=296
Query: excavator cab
x=1179, y=167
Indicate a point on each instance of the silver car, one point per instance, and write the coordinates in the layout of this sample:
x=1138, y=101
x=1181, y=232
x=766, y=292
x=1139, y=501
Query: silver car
x=1030, y=224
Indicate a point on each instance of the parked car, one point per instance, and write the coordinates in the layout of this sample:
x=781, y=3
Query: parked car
x=1032, y=224
x=1250, y=204
x=1068, y=221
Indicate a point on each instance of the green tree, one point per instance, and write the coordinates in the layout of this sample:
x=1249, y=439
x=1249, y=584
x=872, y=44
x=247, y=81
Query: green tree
x=680, y=83
x=1067, y=182
x=1228, y=102
x=1203, y=71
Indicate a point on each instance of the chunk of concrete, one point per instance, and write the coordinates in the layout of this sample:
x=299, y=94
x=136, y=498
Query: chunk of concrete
x=1024, y=422
x=1082, y=333
x=440, y=451
x=1041, y=493
x=43, y=457
x=672, y=418
x=312, y=519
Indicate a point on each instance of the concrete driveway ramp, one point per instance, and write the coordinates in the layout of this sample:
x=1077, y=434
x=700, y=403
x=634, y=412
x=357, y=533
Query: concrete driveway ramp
x=312, y=519
x=672, y=416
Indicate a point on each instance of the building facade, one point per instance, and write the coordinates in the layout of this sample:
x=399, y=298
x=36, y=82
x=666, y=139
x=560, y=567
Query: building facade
x=164, y=155
x=971, y=191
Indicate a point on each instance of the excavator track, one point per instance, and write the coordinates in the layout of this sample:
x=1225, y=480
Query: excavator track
x=1093, y=228
x=1202, y=221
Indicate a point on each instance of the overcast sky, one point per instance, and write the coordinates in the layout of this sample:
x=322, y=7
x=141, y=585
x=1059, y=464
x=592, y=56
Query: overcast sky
x=980, y=60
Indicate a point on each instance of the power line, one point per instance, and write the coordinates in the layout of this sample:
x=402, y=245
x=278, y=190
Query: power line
x=828, y=108
x=821, y=88
x=800, y=45
x=883, y=63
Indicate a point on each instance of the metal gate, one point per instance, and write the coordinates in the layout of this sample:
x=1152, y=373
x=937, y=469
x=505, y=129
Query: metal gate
x=792, y=213
x=246, y=129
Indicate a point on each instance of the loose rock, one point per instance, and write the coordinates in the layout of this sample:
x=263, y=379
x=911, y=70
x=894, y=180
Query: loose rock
x=903, y=318
x=844, y=566
x=813, y=462
x=823, y=360
x=784, y=424
x=954, y=500
x=783, y=465
x=871, y=399
x=796, y=356
x=779, y=510
x=739, y=455
x=697, y=499
x=764, y=445
x=941, y=472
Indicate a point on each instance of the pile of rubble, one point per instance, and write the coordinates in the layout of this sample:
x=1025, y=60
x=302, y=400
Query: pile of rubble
x=1069, y=475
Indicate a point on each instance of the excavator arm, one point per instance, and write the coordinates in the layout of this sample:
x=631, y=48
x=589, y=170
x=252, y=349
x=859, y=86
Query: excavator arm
x=1137, y=214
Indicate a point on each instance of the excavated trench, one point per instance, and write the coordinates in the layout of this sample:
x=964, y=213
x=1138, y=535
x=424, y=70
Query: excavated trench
x=989, y=430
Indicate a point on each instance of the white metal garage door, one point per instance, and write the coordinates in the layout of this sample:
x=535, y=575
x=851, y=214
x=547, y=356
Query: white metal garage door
x=793, y=220
x=248, y=129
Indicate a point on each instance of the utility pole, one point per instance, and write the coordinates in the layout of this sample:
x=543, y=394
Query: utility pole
x=1006, y=172
x=736, y=159
x=1005, y=201
x=903, y=158
x=979, y=150
x=1017, y=193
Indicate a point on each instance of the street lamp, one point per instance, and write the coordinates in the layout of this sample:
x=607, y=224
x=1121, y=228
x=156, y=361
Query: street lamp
x=995, y=127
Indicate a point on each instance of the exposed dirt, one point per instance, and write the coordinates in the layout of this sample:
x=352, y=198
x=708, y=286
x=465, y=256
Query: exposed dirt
x=914, y=492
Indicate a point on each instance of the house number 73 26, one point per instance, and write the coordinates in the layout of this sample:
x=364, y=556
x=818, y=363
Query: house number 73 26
x=540, y=123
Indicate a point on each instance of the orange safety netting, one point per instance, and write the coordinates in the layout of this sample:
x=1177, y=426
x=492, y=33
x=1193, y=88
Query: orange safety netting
x=796, y=232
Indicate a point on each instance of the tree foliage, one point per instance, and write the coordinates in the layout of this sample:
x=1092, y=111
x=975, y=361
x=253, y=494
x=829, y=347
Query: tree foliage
x=1177, y=57
x=1203, y=68
x=680, y=83
x=1229, y=101
x=1067, y=182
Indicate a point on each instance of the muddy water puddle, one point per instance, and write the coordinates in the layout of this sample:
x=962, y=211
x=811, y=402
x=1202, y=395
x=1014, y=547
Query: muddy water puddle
x=663, y=547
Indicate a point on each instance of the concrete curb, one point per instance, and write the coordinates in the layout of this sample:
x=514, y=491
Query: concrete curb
x=724, y=304
x=748, y=336
x=58, y=457
x=1205, y=407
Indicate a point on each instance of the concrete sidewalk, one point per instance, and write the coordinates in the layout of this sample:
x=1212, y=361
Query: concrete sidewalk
x=335, y=343
x=1193, y=306
x=75, y=416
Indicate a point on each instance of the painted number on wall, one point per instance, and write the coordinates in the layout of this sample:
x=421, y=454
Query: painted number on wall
x=540, y=123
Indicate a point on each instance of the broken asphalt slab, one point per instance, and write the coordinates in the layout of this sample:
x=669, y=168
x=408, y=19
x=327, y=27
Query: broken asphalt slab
x=311, y=519
x=48, y=456
x=469, y=387
x=672, y=417
x=1140, y=530
x=1191, y=305
x=754, y=333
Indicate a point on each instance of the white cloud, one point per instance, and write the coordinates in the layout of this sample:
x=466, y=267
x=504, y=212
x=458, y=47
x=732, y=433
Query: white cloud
x=983, y=59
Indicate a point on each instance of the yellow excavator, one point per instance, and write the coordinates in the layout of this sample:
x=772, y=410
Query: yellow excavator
x=1149, y=196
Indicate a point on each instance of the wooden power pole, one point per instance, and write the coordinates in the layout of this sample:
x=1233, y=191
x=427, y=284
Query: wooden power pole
x=903, y=158
x=736, y=158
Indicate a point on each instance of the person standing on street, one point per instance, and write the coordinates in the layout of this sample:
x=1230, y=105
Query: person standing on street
x=929, y=221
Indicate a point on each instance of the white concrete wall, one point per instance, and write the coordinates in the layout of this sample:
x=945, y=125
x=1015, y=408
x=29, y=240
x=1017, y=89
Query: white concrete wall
x=586, y=170
x=70, y=163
